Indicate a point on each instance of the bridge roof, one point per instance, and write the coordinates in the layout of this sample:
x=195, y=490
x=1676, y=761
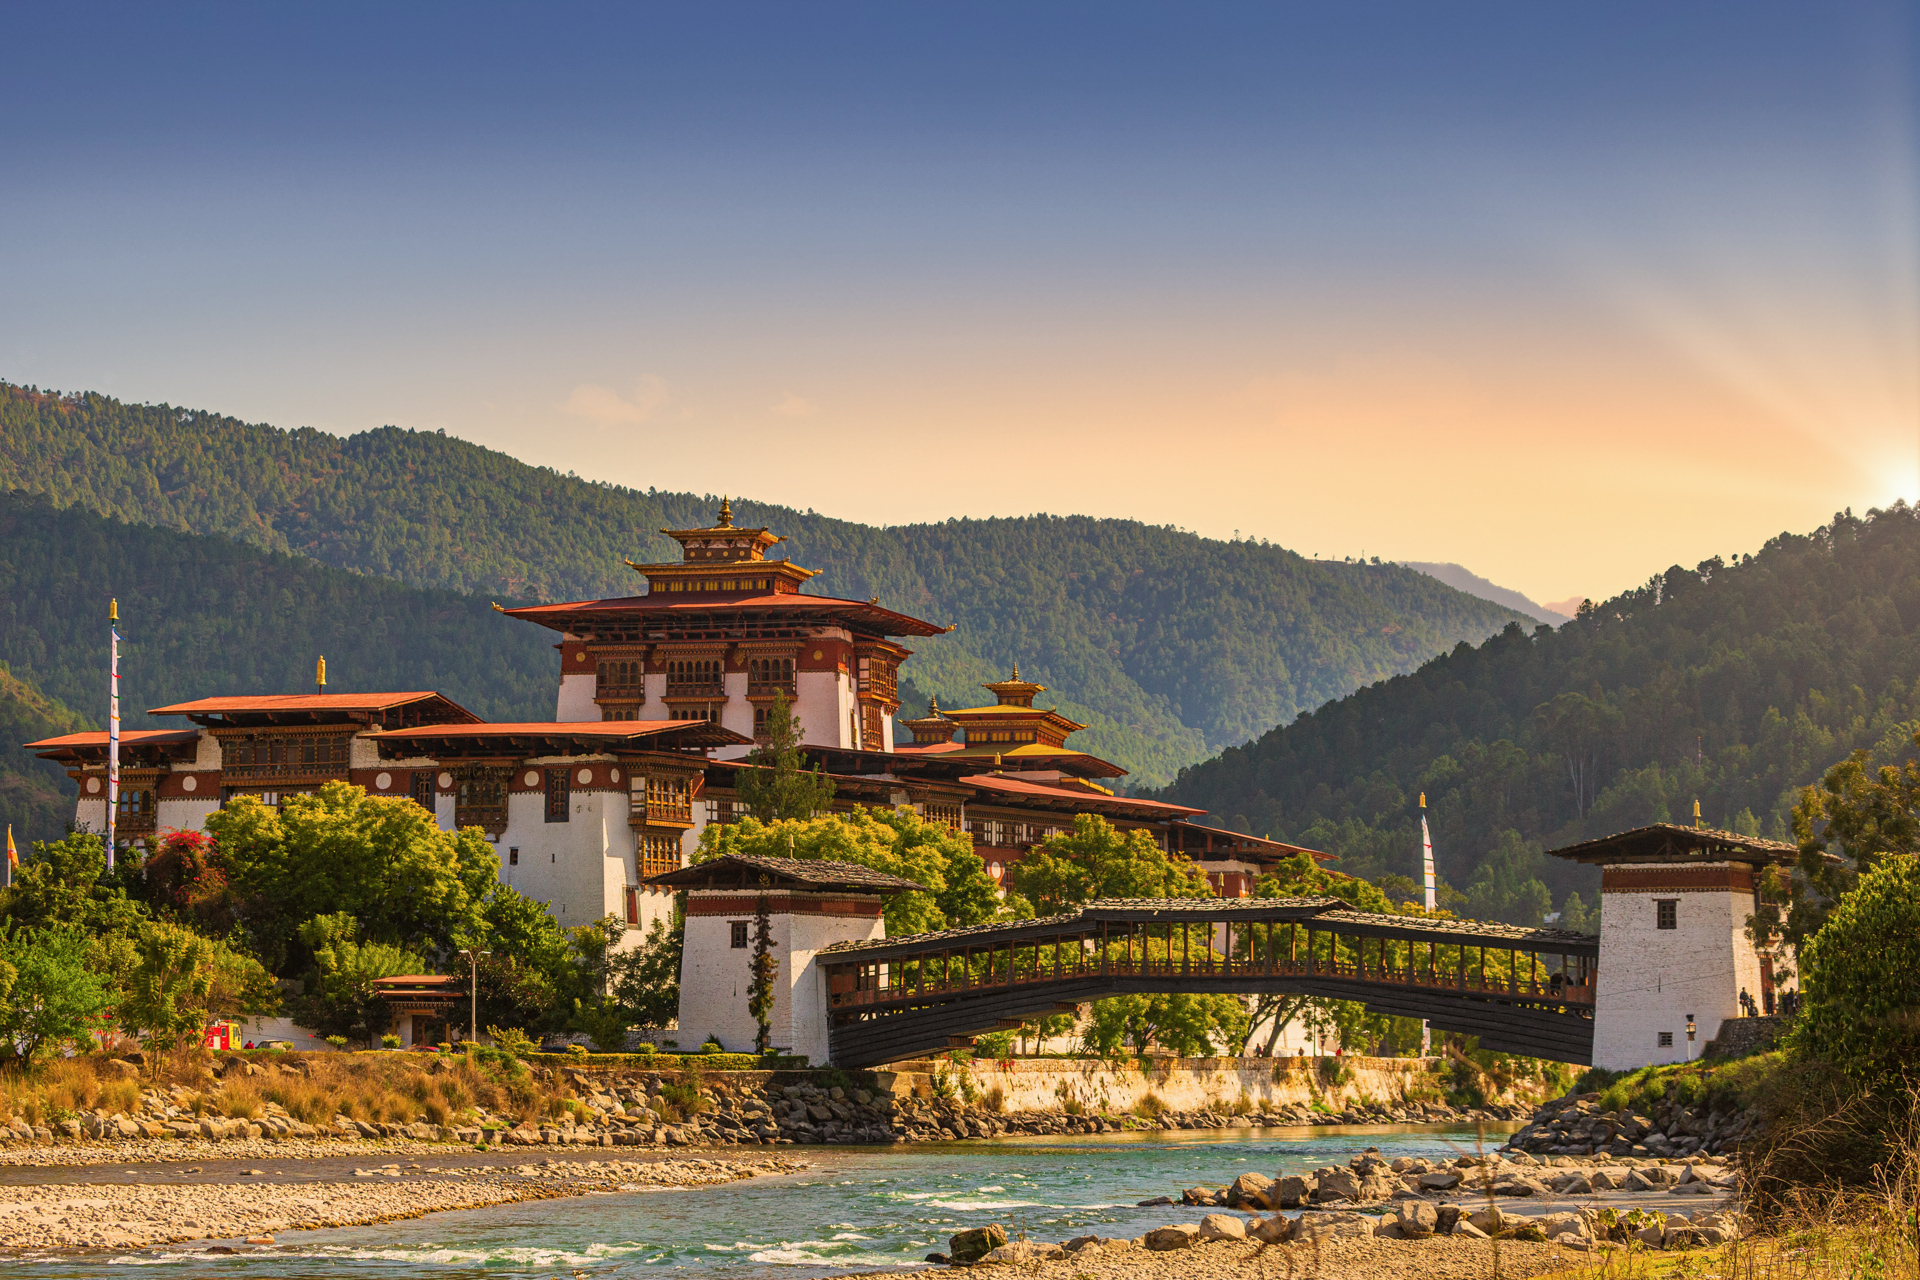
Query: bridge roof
x=1330, y=914
x=744, y=871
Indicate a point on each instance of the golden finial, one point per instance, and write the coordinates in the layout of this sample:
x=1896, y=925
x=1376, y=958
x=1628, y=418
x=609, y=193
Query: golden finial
x=1696, y=814
x=113, y=610
x=1423, y=799
x=1016, y=671
x=933, y=706
x=726, y=515
x=320, y=675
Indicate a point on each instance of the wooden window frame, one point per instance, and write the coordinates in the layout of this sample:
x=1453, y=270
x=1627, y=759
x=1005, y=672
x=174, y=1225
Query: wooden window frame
x=559, y=794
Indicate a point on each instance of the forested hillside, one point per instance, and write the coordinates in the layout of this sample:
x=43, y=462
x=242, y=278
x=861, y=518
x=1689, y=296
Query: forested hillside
x=1735, y=684
x=1170, y=646
x=201, y=616
x=36, y=799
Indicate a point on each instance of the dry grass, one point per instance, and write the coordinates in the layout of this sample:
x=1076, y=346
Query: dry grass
x=312, y=1088
x=1150, y=1107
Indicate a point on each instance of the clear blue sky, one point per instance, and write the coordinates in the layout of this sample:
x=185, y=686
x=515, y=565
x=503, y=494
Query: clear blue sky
x=1565, y=292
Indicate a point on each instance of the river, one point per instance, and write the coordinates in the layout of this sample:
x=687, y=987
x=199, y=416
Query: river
x=859, y=1208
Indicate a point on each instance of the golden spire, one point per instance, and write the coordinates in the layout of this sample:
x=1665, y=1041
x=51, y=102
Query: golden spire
x=320, y=675
x=113, y=610
x=933, y=706
x=1016, y=670
x=726, y=515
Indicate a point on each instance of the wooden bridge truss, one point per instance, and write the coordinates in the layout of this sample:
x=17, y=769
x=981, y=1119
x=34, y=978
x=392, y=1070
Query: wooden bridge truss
x=898, y=998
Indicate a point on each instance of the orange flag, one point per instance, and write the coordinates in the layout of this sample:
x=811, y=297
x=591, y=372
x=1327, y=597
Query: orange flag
x=13, y=854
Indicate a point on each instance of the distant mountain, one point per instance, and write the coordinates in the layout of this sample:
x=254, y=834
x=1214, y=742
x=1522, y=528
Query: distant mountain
x=1731, y=684
x=1461, y=578
x=206, y=615
x=1169, y=646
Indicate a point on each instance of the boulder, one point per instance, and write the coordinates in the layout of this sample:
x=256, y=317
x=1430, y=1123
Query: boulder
x=1179, y=1236
x=1023, y=1251
x=1464, y=1227
x=1078, y=1243
x=1251, y=1189
x=1222, y=1226
x=1275, y=1230
x=1338, y=1184
x=1333, y=1225
x=1417, y=1219
x=1444, y=1180
x=1606, y=1179
x=1572, y=1184
x=1488, y=1219
x=1292, y=1191
x=1448, y=1215
x=1516, y=1185
x=976, y=1243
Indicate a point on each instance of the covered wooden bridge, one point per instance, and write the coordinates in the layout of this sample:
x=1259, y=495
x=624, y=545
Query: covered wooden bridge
x=1525, y=991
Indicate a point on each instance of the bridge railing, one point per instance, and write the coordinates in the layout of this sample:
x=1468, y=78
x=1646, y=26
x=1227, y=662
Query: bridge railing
x=905, y=980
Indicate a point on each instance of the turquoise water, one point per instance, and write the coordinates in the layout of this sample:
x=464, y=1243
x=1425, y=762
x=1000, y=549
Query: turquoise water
x=858, y=1209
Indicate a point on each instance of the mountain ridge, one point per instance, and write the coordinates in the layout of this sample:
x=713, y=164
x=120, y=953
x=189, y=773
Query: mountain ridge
x=1168, y=646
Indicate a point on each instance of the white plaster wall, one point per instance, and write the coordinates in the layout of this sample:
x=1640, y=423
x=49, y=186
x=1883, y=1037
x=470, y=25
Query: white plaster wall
x=443, y=811
x=206, y=753
x=714, y=980
x=184, y=813
x=1650, y=979
x=576, y=697
x=363, y=753
x=579, y=868
x=818, y=702
x=737, y=713
x=886, y=732
x=90, y=814
x=804, y=990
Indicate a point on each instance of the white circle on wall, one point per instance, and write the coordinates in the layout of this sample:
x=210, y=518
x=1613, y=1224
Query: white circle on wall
x=584, y=777
x=189, y=783
x=383, y=780
x=532, y=779
x=93, y=786
x=445, y=779
x=613, y=774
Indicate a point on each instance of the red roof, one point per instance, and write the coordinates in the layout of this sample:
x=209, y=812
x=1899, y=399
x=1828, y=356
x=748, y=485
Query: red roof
x=865, y=614
x=305, y=702
x=693, y=732
x=523, y=728
x=128, y=737
x=1020, y=788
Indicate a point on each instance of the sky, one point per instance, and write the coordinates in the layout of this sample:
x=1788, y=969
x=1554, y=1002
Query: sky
x=1564, y=293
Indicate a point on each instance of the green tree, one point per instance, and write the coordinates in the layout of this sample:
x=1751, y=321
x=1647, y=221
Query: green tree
x=381, y=860
x=646, y=979
x=898, y=842
x=1191, y=1026
x=762, y=969
x=1576, y=917
x=1507, y=886
x=1860, y=978
x=1845, y=825
x=1097, y=860
x=169, y=994
x=1348, y=1022
x=339, y=997
x=782, y=788
x=66, y=882
x=51, y=995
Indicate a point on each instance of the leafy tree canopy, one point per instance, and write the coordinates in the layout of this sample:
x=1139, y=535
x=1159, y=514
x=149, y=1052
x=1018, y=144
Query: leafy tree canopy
x=898, y=842
x=781, y=789
x=1860, y=978
x=1098, y=860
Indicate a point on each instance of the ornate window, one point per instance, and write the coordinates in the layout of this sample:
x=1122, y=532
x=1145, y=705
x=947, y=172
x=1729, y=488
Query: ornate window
x=423, y=790
x=768, y=676
x=668, y=800
x=880, y=676
x=1666, y=913
x=559, y=795
x=658, y=853
x=947, y=815
x=137, y=812
x=265, y=756
x=872, y=728
x=697, y=713
x=737, y=934
x=619, y=678
x=480, y=798
x=695, y=678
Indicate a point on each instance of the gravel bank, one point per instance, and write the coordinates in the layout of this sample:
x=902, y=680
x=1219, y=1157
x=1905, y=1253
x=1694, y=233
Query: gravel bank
x=122, y=1216
x=1438, y=1258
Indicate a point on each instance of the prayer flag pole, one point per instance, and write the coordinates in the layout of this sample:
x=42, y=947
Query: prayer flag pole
x=113, y=723
x=1426, y=859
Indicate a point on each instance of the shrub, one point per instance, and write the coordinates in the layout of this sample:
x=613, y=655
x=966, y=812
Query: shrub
x=389, y=1042
x=338, y=1042
x=995, y=1099
x=241, y=1101
x=1860, y=978
x=1151, y=1107
x=437, y=1111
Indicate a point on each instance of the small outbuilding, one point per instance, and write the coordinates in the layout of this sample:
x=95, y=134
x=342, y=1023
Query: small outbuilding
x=808, y=904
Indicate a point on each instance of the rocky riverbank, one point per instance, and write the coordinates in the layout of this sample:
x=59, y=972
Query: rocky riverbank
x=630, y=1108
x=1580, y=1125
x=123, y=1216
